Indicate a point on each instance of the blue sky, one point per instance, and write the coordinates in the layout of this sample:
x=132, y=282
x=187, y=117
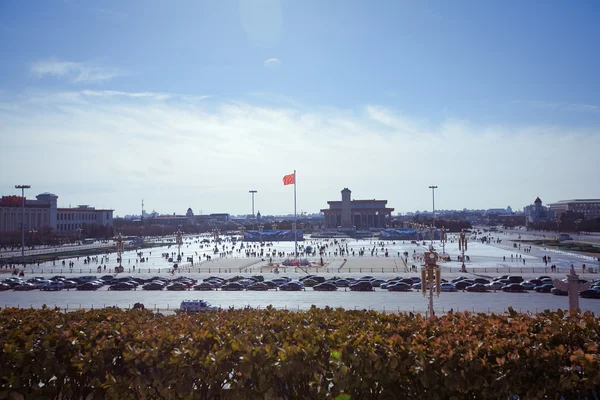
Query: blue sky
x=376, y=83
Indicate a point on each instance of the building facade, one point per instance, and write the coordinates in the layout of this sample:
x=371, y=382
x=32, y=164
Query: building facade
x=356, y=214
x=43, y=213
x=536, y=212
x=590, y=208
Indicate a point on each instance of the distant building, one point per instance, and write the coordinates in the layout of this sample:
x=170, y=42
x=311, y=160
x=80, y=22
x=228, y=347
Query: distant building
x=44, y=213
x=590, y=208
x=356, y=214
x=536, y=212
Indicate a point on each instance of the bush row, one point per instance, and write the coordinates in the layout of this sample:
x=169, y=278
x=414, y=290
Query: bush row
x=277, y=354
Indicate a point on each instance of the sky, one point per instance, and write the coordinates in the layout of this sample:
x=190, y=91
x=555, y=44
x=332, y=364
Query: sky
x=194, y=103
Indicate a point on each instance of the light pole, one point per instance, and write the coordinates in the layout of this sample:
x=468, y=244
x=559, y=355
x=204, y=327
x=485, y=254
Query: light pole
x=23, y=187
x=253, y=192
x=430, y=276
x=433, y=198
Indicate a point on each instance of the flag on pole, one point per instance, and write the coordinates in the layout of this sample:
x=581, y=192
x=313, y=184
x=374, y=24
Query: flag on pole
x=288, y=179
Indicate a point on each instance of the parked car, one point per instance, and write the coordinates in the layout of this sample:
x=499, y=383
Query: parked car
x=478, y=287
x=377, y=282
x=25, y=286
x=205, y=286
x=342, y=283
x=258, y=286
x=361, y=286
x=4, y=286
x=590, y=294
x=448, y=287
x=153, y=286
x=482, y=280
x=309, y=282
x=399, y=287
x=88, y=286
x=325, y=287
x=558, y=292
x=121, y=286
x=496, y=285
x=232, y=286
x=528, y=285
x=53, y=286
x=514, y=288
x=69, y=284
x=291, y=287
x=545, y=288
x=461, y=285
x=515, y=279
x=178, y=287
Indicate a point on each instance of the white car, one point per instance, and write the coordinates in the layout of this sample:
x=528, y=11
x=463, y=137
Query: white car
x=448, y=287
x=196, y=306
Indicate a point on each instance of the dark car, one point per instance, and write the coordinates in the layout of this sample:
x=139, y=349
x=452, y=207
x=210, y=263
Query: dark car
x=514, y=288
x=545, y=288
x=399, y=287
x=515, y=279
x=232, y=286
x=88, y=286
x=361, y=286
x=309, y=282
x=177, y=287
x=271, y=284
x=4, y=286
x=70, y=284
x=342, y=283
x=482, y=280
x=461, y=285
x=590, y=294
x=558, y=292
x=477, y=287
x=121, y=286
x=205, y=286
x=325, y=287
x=153, y=286
x=258, y=286
x=25, y=286
x=291, y=287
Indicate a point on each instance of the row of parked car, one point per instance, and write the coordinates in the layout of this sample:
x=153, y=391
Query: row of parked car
x=506, y=283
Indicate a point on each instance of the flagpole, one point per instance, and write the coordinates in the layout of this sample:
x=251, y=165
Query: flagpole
x=295, y=223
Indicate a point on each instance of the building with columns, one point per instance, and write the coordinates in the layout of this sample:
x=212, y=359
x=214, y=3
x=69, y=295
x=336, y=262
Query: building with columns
x=350, y=214
x=43, y=213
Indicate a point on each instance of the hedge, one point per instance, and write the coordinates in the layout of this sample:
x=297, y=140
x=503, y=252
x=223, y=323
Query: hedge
x=316, y=354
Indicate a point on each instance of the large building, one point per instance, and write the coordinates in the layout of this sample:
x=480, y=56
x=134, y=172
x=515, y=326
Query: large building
x=356, y=214
x=536, y=212
x=590, y=208
x=44, y=213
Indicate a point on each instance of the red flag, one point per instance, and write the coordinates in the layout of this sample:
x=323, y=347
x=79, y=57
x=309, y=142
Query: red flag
x=288, y=179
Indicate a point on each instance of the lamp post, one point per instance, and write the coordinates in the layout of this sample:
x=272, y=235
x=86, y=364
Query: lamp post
x=430, y=276
x=22, y=187
x=462, y=247
x=253, y=192
x=443, y=239
x=433, y=198
x=120, y=249
x=260, y=232
x=179, y=241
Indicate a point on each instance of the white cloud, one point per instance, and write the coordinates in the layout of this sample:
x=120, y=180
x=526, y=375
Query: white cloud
x=272, y=63
x=560, y=106
x=75, y=72
x=113, y=148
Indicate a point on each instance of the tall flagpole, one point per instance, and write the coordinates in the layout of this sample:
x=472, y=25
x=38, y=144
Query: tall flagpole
x=295, y=223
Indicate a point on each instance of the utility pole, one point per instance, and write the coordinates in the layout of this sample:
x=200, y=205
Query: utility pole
x=23, y=187
x=433, y=197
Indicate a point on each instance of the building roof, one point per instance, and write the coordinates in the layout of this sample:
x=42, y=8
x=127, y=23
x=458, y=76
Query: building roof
x=537, y=200
x=339, y=210
x=81, y=209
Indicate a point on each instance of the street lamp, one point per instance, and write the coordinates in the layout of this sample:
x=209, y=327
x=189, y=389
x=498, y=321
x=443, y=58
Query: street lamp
x=179, y=241
x=433, y=198
x=430, y=276
x=120, y=249
x=260, y=232
x=253, y=192
x=22, y=187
